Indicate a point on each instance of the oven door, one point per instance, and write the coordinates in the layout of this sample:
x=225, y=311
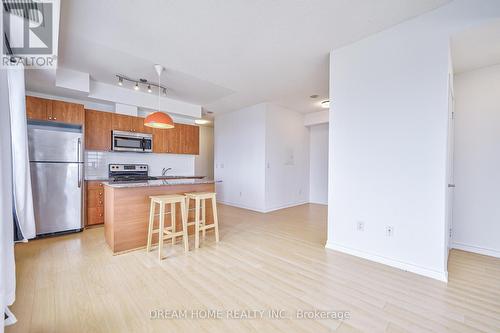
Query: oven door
x=123, y=141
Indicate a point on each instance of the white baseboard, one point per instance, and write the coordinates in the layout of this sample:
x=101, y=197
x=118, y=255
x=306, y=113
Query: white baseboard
x=262, y=210
x=285, y=206
x=441, y=276
x=318, y=203
x=232, y=204
x=476, y=249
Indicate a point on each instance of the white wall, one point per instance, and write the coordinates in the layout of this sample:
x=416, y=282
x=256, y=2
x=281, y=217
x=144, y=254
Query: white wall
x=287, y=158
x=476, y=209
x=388, y=140
x=96, y=163
x=204, y=162
x=262, y=157
x=316, y=118
x=239, y=154
x=318, y=165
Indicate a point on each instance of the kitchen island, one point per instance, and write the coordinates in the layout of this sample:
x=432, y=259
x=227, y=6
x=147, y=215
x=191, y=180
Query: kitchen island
x=126, y=209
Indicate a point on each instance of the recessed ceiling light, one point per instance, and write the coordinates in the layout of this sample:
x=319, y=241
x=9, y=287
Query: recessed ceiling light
x=325, y=104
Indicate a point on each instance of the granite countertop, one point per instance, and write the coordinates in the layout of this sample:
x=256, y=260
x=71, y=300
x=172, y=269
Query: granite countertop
x=106, y=178
x=160, y=182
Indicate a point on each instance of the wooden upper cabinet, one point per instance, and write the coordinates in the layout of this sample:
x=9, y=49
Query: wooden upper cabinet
x=98, y=127
x=172, y=139
x=126, y=123
x=138, y=126
x=195, y=141
x=159, y=142
x=65, y=112
x=182, y=139
x=36, y=108
x=122, y=122
x=189, y=139
x=49, y=110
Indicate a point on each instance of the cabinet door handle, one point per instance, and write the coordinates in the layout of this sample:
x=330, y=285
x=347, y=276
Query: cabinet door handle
x=50, y=118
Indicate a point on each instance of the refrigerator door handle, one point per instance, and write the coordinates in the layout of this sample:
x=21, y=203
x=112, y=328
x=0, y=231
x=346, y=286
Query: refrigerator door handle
x=79, y=150
x=79, y=176
x=78, y=158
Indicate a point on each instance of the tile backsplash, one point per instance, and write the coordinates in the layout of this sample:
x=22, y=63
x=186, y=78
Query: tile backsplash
x=96, y=163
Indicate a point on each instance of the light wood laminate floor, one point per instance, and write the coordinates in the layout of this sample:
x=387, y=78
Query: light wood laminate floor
x=264, y=261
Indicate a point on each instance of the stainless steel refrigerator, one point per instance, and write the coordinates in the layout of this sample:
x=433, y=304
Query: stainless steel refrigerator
x=56, y=166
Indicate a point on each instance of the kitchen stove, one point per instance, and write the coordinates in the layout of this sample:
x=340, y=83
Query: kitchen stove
x=129, y=173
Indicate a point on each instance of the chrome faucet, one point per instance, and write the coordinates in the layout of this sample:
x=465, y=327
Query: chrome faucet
x=165, y=170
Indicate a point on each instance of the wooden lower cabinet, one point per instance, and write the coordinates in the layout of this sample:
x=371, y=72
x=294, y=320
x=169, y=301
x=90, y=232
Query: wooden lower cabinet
x=94, y=202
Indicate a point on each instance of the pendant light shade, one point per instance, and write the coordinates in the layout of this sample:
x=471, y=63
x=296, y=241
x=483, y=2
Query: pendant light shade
x=159, y=120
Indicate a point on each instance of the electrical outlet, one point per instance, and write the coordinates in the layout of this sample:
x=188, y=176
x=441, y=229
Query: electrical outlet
x=389, y=231
x=360, y=225
x=241, y=194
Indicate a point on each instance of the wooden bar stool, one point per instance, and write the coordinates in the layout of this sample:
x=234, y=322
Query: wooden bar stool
x=199, y=223
x=167, y=232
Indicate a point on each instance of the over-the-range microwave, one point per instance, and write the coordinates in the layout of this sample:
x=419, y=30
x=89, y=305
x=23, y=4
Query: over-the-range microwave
x=132, y=141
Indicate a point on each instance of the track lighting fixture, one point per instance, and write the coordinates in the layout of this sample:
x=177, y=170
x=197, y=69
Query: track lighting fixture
x=138, y=82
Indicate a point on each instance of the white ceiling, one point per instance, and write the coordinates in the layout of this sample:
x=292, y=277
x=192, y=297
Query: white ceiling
x=476, y=47
x=224, y=54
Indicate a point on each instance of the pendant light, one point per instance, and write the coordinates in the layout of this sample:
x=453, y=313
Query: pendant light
x=159, y=119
